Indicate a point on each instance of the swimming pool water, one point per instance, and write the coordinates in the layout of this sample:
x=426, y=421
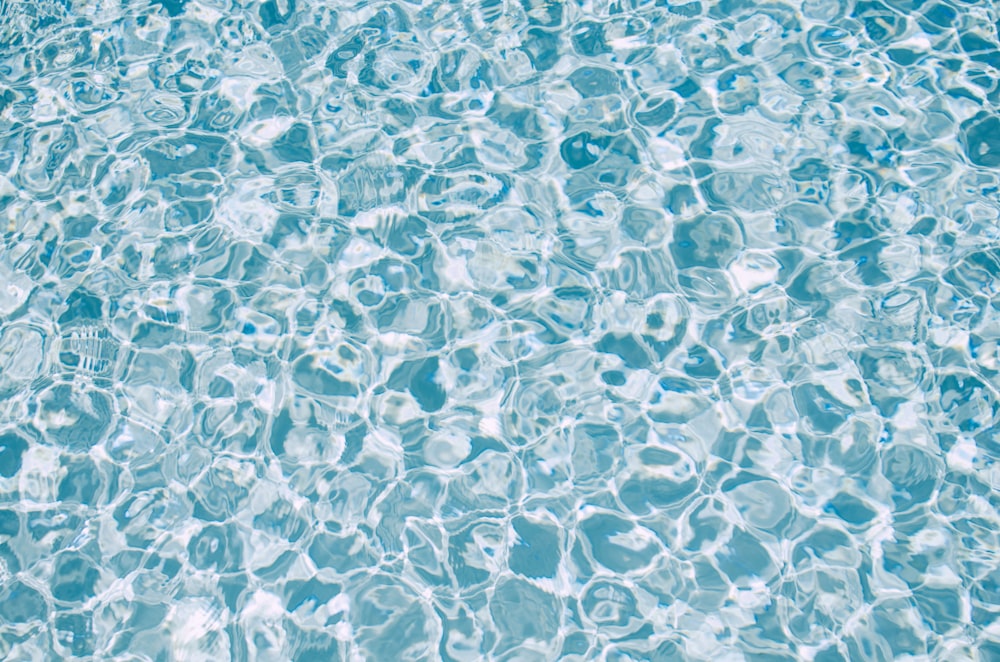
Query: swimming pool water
x=499, y=330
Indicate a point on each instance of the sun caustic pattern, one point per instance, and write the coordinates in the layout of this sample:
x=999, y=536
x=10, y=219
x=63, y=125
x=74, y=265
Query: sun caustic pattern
x=499, y=330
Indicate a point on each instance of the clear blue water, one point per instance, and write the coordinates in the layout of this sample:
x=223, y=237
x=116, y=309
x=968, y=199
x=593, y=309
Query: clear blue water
x=499, y=330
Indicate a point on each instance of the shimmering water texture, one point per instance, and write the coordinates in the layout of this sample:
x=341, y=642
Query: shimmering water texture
x=499, y=330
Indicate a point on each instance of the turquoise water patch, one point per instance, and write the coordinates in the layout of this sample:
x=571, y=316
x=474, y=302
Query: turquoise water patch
x=532, y=330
